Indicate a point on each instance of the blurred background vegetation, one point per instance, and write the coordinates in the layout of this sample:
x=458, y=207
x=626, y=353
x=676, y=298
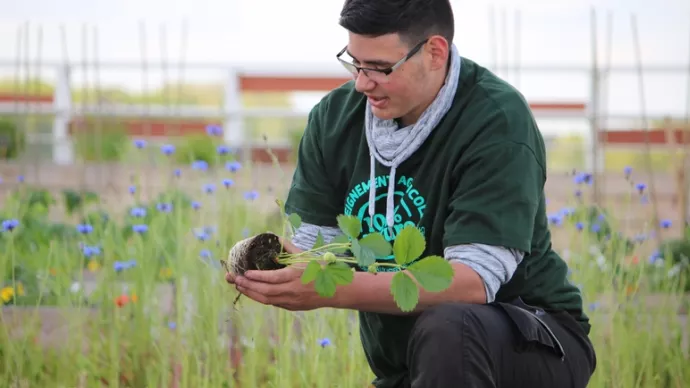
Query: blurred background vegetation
x=107, y=140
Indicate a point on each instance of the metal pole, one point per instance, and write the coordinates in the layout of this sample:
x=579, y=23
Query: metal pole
x=62, y=148
x=685, y=143
x=233, y=128
x=593, y=154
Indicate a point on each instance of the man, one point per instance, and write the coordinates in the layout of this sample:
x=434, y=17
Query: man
x=427, y=137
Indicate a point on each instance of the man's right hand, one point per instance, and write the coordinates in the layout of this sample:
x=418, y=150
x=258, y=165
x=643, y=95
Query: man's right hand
x=287, y=245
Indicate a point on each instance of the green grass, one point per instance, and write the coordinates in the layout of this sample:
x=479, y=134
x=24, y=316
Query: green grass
x=102, y=335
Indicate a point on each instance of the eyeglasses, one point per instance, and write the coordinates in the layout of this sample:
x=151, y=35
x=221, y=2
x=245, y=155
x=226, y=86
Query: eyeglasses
x=380, y=76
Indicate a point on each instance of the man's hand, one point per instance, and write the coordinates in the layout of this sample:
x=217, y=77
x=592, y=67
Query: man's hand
x=281, y=288
x=287, y=245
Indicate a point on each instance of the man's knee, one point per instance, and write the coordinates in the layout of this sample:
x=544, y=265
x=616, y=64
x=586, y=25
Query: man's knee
x=453, y=342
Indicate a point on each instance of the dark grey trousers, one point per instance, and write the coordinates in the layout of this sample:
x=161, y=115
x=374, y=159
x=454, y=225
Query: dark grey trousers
x=502, y=345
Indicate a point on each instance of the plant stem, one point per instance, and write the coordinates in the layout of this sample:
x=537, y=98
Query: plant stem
x=315, y=250
x=349, y=261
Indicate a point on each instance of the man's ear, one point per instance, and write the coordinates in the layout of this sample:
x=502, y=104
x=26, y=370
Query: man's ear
x=438, y=49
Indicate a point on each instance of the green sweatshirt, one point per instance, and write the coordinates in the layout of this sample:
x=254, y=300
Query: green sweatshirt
x=478, y=178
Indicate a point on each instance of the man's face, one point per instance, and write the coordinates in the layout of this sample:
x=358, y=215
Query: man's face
x=406, y=87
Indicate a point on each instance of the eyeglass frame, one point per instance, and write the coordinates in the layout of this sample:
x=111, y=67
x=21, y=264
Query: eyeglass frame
x=386, y=71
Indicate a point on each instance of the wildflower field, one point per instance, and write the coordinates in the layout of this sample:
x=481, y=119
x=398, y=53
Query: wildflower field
x=94, y=297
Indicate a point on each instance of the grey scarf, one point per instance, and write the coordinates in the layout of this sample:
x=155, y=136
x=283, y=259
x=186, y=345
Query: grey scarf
x=381, y=133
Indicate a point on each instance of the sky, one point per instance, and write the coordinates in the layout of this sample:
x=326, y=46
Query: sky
x=304, y=34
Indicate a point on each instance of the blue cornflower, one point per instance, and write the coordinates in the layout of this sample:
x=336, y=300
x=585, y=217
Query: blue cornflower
x=141, y=228
x=251, y=195
x=90, y=251
x=627, y=171
x=228, y=183
x=323, y=342
x=640, y=238
x=596, y=228
x=655, y=256
x=666, y=224
x=164, y=207
x=233, y=166
x=20, y=178
x=84, y=228
x=640, y=187
x=579, y=226
x=593, y=306
x=119, y=266
x=196, y=205
x=132, y=189
x=177, y=172
x=167, y=149
x=201, y=235
x=139, y=143
x=205, y=254
x=138, y=212
x=172, y=325
x=200, y=165
x=209, y=188
x=583, y=178
x=223, y=149
x=214, y=130
x=556, y=219
x=10, y=225
x=567, y=211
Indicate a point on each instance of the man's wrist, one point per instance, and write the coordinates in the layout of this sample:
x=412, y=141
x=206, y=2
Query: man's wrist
x=344, y=294
x=339, y=299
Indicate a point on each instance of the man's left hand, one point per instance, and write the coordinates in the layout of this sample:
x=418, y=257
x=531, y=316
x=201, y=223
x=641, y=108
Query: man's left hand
x=282, y=288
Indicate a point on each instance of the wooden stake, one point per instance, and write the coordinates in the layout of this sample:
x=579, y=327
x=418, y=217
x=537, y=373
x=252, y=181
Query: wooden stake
x=594, y=118
x=645, y=126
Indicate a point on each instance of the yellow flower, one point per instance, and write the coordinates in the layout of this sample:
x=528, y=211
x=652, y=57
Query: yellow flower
x=20, y=289
x=6, y=294
x=166, y=273
x=93, y=266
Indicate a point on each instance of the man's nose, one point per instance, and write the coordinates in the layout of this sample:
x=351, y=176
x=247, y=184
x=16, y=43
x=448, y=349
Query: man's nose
x=363, y=83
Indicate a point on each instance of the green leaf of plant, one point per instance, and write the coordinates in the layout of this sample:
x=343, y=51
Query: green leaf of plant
x=319, y=241
x=350, y=225
x=409, y=245
x=340, y=239
x=434, y=273
x=404, y=291
x=364, y=255
x=311, y=272
x=324, y=284
x=295, y=220
x=377, y=243
x=340, y=272
x=73, y=201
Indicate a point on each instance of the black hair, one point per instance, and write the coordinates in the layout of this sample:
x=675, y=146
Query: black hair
x=413, y=20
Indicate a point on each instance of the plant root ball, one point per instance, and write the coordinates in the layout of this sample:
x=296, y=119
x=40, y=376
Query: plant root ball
x=259, y=252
